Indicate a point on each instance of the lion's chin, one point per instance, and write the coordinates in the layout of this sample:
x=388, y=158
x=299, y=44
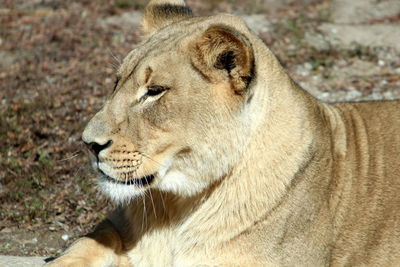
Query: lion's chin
x=121, y=192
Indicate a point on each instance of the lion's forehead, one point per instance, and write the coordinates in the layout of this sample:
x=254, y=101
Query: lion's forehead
x=174, y=37
x=165, y=44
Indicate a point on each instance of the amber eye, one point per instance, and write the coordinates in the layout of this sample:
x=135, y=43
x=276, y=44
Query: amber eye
x=156, y=90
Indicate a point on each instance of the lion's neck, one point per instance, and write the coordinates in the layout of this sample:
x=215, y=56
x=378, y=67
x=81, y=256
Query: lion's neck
x=279, y=152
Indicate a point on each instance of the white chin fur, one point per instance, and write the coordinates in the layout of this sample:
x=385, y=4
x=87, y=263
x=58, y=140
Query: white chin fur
x=120, y=193
x=169, y=181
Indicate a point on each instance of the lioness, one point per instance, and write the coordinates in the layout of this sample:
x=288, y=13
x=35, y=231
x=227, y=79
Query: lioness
x=217, y=158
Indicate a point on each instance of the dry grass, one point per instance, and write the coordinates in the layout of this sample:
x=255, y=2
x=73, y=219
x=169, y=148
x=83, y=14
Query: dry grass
x=58, y=66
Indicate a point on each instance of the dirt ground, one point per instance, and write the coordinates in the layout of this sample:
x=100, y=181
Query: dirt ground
x=58, y=60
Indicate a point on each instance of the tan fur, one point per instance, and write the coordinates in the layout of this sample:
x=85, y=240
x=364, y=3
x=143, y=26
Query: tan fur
x=250, y=170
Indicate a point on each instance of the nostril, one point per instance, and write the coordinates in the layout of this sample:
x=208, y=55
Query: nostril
x=96, y=147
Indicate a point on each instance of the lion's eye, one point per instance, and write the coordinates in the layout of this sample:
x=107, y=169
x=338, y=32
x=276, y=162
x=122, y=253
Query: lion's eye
x=156, y=90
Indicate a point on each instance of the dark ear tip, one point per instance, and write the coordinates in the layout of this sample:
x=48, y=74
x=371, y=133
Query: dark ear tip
x=159, y=14
x=171, y=10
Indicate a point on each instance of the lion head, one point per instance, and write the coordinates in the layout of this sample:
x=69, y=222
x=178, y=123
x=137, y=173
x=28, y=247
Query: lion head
x=177, y=118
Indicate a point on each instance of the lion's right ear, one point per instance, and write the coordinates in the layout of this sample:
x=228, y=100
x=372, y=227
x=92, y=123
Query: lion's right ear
x=223, y=54
x=160, y=13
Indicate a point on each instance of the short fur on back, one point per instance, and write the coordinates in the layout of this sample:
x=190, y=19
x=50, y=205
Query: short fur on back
x=217, y=158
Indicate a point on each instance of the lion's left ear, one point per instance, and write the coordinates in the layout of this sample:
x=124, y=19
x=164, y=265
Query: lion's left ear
x=160, y=13
x=223, y=54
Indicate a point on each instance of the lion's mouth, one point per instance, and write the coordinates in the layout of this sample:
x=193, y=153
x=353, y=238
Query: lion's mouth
x=143, y=181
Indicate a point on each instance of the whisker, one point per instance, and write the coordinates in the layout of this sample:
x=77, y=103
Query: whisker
x=144, y=209
x=114, y=66
x=118, y=61
x=144, y=217
x=79, y=168
x=161, y=196
x=74, y=155
x=152, y=202
x=151, y=195
x=152, y=159
x=162, y=202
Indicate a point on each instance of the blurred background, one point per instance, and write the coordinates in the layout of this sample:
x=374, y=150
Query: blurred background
x=57, y=65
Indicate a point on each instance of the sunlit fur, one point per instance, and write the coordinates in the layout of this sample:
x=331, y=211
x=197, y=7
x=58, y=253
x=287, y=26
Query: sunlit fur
x=249, y=169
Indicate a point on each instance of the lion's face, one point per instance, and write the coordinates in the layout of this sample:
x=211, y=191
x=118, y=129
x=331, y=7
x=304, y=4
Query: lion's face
x=173, y=119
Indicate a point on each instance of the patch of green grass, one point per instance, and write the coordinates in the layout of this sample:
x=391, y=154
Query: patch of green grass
x=123, y=3
x=16, y=196
x=36, y=204
x=130, y=4
x=34, y=208
x=44, y=158
x=296, y=27
x=25, y=183
x=86, y=186
x=6, y=246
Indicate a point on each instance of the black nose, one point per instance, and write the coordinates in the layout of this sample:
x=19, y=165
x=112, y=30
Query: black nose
x=96, y=147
